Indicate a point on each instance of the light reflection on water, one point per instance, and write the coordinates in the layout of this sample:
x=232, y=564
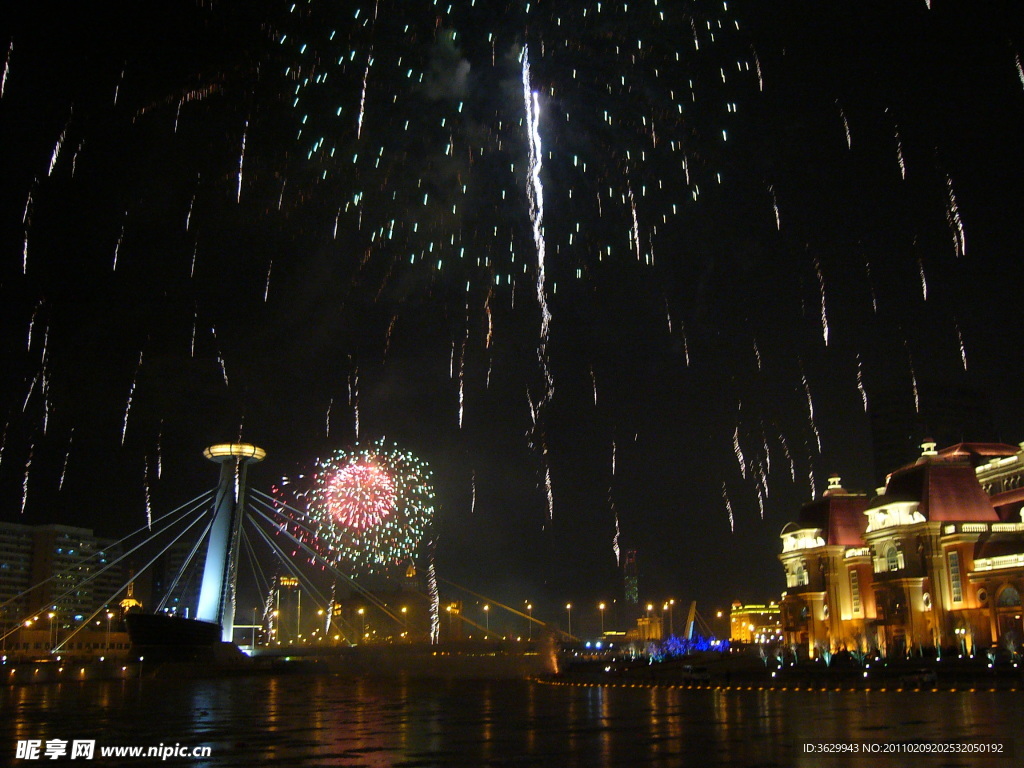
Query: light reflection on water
x=299, y=720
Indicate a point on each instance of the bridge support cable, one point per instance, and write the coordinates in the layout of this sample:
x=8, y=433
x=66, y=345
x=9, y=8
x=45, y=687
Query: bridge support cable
x=118, y=560
x=259, y=577
x=184, y=566
x=489, y=601
x=156, y=557
x=196, y=503
x=369, y=596
x=273, y=505
x=318, y=597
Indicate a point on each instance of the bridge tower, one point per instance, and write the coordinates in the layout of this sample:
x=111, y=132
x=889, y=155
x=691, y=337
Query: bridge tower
x=220, y=575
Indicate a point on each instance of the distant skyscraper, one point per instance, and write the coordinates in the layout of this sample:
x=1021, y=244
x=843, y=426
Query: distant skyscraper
x=44, y=568
x=181, y=596
x=631, y=577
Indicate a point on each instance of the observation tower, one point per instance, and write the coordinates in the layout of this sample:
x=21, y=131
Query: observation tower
x=220, y=574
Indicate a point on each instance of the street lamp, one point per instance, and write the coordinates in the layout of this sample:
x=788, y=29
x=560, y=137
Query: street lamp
x=109, y=617
x=487, y=617
x=51, y=614
x=405, y=620
x=529, y=626
x=568, y=610
x=362, y=625
x=600, y=607
x=671, y=617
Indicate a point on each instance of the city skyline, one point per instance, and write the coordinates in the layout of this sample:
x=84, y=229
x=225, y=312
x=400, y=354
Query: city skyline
x=629, y=286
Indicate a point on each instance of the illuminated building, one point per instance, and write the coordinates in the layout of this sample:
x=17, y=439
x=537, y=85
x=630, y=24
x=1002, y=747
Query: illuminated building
x=284, y=621
x=56, y=559
x=934, y=560
x=754, y=623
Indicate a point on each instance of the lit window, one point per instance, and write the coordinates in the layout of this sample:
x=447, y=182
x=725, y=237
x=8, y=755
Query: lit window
x=855, y=591
x=893, y=559
x=954, y=577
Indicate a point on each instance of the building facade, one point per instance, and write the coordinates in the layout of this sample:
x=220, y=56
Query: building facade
x=57, y=568
x=934, y=560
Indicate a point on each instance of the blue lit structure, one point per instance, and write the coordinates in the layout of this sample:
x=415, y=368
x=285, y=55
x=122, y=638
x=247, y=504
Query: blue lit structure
x=220, y=574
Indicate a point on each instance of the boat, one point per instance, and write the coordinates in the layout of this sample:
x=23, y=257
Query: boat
x=148, y=630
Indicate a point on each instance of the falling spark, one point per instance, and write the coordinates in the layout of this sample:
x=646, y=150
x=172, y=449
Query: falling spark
x=472, y=500
x=1020, y=69
x=24, y=482
x=362, y=98
x=686, y=344
x=615, y=540
x=327, y=418
x=956, y=226
x=57, y=147
x=913, y=383
x=812, y=484
x=899, y=155
x=117, y=246
x=593, y=381
x=220, y=357
x=31, y=389
x=924, y=280
x=821, y=288
x=635, y=235
x=535, y=194
x=860, y=383
x=149, y=506
x=353, y=398
x=280, y=198
x=67, y=456
x=131, y=393
x=74, y=157
x=775, y=207
x=846, y=125
x=188, y=216
x=462, y=382
x=435, y=607
x=547, y=486
x=789, y=457
x=266, y=289
x=728, y=507
x=26, y=219
x=32, y=323
x=871, y=287
x=10, y=50
x=757, y=355
x=241, y=160
x=117, y=89
x=960, y=338
x=195, y=322
x=159, y=451
x=810, y=410
x=195, y=254
x=3, y=441
x=738, y=451
x=757, y=66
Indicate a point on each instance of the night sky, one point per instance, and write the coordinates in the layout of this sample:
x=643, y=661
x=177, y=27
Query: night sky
x=305, y=217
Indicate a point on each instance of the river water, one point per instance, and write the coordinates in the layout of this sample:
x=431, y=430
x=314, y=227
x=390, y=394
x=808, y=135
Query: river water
x=326, y=720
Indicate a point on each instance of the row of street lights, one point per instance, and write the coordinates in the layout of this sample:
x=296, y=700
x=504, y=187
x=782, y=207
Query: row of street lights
x=53, y=632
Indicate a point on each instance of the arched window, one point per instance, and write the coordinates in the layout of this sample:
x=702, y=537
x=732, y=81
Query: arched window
x=1008, y=598
x=800, y=572
x=892, y=558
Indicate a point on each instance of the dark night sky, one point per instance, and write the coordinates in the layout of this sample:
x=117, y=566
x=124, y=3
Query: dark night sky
x=722, y=335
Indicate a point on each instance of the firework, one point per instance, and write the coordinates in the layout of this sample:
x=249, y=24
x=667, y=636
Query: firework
x=371, y=506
